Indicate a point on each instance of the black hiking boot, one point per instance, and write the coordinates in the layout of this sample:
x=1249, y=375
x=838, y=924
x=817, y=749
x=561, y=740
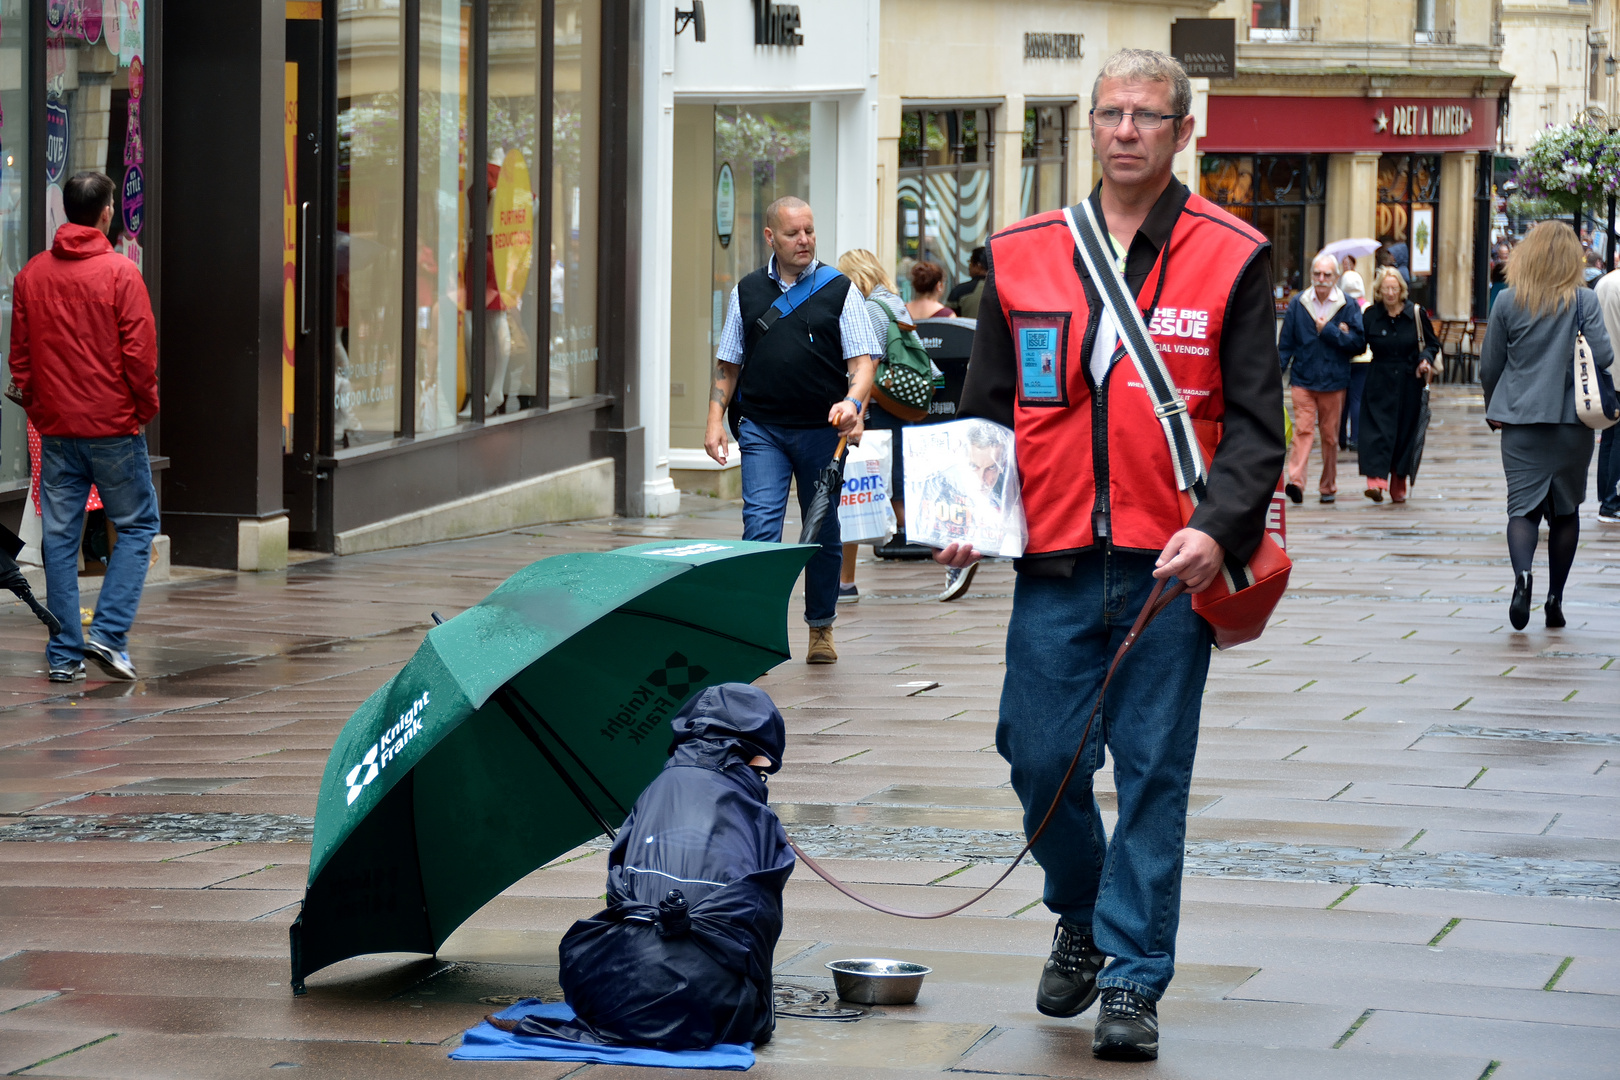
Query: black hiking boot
x=1127, y=1027
x=1069, y=982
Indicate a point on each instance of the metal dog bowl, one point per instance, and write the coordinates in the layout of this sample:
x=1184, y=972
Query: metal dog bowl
x=878, y=982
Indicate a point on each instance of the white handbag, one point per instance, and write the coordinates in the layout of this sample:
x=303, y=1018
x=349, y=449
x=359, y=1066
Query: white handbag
x=1588, y=398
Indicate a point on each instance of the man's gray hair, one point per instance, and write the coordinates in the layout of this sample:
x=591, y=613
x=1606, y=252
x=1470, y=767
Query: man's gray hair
x=1147, y=65
x=1326, y=257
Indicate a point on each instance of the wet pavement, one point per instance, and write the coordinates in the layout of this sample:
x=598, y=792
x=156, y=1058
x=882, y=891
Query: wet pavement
x=1403, y=843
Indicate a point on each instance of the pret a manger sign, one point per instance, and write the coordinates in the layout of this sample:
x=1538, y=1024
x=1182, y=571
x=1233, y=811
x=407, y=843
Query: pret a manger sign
x=1421, y=120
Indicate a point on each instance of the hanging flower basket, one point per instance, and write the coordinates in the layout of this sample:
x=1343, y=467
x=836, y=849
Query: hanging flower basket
x=1572, y=164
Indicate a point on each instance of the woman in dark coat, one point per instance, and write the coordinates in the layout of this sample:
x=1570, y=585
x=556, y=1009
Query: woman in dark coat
x=1392, y=398
x=1526, y=370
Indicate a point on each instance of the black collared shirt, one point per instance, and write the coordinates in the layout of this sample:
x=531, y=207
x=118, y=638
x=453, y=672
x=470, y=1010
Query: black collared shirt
x=1248, y=461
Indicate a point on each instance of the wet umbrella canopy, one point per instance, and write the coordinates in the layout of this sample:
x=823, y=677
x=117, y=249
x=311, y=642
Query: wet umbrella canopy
x=520, y=727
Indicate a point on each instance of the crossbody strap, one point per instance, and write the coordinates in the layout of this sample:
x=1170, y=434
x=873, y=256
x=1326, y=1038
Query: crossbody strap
x=1168, y=405
x=797, y=293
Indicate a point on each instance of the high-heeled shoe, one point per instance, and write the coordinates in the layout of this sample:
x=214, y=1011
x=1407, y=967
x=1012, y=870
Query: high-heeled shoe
x=1519, y=608
x=1554, y=610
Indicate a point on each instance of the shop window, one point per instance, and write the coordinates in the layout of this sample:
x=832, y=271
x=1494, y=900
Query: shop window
x=1045, y=177
x=944, y=189
x=1282, y=196
x=16, y=181
x=576, y=119
x=370, y=200
x=441, y=213
x=1270, y=14
x=767, y=150
x=1408, y=213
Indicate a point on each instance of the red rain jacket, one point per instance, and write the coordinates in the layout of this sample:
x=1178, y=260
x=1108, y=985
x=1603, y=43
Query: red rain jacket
x=83, y=344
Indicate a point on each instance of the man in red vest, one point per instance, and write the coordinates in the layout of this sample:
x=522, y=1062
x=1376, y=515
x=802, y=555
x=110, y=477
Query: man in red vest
x=1105, y=520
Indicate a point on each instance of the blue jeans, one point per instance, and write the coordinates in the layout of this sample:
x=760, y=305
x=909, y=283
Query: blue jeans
x=771, y=457
x=1608, y=478
x=1350, y=420
x=1060, y=640
x=122, y=474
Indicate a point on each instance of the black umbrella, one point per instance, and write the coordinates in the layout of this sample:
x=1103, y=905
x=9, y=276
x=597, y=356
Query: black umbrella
x=829, y=485
x=13, y=581
x=1422, y=434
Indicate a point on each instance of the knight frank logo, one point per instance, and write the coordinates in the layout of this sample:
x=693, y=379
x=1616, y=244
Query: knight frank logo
x=652, y=702
x=387, y=748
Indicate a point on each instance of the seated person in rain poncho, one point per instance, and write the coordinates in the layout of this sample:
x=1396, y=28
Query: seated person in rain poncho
x=681, y=957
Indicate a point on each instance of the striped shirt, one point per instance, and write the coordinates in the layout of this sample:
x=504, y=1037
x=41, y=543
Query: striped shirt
x=854, y=326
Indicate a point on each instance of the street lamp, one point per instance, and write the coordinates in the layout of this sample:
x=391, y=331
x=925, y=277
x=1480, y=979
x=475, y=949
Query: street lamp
x=1609, y=64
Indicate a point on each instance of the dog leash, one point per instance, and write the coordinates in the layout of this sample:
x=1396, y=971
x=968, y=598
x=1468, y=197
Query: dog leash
x=1159, y=599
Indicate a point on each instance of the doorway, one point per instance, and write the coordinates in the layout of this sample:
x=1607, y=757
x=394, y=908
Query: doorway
x=304, y=310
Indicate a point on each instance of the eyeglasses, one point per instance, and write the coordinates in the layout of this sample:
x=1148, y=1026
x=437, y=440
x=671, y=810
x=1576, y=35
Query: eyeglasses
x=1323, y=275
x=1144, y=121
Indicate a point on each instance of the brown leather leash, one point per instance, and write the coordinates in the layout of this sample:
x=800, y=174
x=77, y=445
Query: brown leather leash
x=1159, y=599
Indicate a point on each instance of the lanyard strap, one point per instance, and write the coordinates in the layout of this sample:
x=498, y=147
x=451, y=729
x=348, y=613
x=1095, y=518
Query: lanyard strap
x=1168, y=405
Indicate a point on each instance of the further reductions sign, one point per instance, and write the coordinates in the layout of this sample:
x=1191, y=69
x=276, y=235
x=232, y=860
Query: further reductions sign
x=56, y=140
x=511, y=234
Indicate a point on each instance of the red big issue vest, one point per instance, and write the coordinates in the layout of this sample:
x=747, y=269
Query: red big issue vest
x=1062, y=461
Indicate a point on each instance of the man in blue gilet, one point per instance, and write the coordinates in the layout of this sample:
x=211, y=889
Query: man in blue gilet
x=798, y=354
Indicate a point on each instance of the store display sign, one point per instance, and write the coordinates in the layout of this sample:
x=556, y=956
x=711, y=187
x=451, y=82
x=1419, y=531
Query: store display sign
x=725, y=205
x=1207, y=48
x=776, y=24
x=1327, y=125
x=56, y=140
x=511, y=234
x=1054, y=46
x=1422, y=241
x=134, y=200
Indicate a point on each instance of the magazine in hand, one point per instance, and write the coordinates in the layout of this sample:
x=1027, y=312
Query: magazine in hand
x=962, y=487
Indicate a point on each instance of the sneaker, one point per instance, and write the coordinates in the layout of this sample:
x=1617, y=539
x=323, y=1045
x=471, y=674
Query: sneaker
x=1327, y=498
x=1296, y=494
x=1069, y=983
x=957, y=581
x=1127, y=1027
x=848, y=594
x=68, y=673
x=1609, y=517
x=115, y=664
x=821, y=646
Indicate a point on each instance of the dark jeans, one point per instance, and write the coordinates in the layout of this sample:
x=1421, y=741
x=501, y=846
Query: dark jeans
x=1608, y=478
x=123, y=476
x=1062, y=635
x=772, y=456
x=1350, y=419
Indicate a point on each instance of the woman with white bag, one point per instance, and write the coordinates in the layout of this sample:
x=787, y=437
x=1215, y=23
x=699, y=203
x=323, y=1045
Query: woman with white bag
x=1533, y=397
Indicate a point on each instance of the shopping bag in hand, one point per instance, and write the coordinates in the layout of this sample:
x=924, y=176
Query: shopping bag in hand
x=865, y=514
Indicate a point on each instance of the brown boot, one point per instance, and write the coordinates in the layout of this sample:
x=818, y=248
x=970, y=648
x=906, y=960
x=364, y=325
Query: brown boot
x=505, y=1025
x=821, y=646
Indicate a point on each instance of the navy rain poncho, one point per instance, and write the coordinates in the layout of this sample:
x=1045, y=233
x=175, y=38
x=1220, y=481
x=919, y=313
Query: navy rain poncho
x=681, y=957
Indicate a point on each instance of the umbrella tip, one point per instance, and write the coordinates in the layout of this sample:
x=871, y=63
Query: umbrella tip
x=438, y=620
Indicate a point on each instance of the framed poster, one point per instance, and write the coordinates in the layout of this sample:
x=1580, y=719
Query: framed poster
x=1422, y=241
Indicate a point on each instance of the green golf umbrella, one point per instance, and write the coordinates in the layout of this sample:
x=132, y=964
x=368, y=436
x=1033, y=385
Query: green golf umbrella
x=522, y=728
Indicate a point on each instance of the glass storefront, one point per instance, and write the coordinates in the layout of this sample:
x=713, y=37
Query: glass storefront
x=16, y=180
x=1045, y=177
x=1408, y=213
x=538, y=181
x=370, y=197
x=944, y=190
x=765, y=150
x=1281, y=195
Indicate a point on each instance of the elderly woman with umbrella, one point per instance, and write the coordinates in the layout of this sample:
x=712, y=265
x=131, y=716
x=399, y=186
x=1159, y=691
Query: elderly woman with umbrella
x=1392, y=415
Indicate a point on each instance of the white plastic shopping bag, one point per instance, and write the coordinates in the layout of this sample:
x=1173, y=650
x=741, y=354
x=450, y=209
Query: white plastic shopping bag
x=962, y=487
x=865, y=514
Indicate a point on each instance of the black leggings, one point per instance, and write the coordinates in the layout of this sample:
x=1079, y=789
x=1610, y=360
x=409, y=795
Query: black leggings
x=1563, y=532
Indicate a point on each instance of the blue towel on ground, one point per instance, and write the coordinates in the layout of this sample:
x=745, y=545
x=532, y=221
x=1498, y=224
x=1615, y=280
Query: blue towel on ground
x=488, y=1043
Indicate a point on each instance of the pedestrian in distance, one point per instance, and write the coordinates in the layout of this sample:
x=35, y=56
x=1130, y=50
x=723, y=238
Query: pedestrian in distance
x=883, y=306
x=1355, y=291
x=927, y=290
x=1321, y=333
x=1403, y=346
x=797, y=354
x=1525, y=368
x=84, y=361
x=1608, y=471
x=1100, y=496
x=966, y=296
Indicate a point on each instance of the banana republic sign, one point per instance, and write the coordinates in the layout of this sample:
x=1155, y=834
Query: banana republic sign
x=776, y=24
x=1207, y=48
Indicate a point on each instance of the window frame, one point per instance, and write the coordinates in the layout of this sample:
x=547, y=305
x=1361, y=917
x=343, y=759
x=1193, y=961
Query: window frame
x=924, y=108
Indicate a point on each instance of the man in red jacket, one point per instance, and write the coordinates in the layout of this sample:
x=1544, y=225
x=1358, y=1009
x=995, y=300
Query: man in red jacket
x=84, y=360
